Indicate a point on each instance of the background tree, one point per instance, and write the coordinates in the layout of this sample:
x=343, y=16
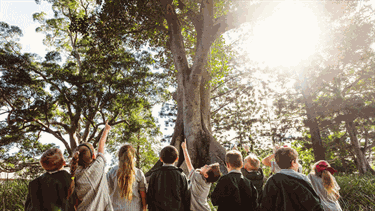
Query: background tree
x=89, y=76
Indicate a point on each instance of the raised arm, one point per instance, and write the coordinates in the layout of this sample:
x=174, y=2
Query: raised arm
x=187, y=157
x=267, y=160
x=103, y=139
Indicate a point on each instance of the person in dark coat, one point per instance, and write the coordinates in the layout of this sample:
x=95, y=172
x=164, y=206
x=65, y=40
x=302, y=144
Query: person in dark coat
x=233, y=191
x=252, y=171
x=289, y=190
x=50, y=191
x=168, y=186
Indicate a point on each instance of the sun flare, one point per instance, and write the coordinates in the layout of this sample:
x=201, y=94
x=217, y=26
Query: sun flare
x=290, y=35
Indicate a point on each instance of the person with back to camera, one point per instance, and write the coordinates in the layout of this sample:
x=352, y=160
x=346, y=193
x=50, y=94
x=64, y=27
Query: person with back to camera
x=289, y=190
x=91, y=181
x=200, y=182
x=127, y=184
x=253, y=172
x=267, y=161
x=51, y=190
x=168, y=187
x=233, y=191
x=325, y=185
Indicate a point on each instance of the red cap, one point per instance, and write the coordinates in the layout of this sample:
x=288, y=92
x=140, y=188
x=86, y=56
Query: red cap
x=321, y=166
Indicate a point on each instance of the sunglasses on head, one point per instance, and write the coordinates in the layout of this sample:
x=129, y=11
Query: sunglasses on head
x=86, y=145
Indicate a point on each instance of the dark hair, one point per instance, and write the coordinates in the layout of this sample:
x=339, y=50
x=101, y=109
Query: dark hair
x=234, y=158
x=52, y=159
x=213, y=173
x=169, y=154
x=284, y=157
x=82, y=156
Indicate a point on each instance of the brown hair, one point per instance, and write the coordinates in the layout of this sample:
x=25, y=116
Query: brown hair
x=82, y=156
x=253, y=160
x=234, y=158
x=52, y=159
x=126, y=171
x=169, y=154
x=327, y=178
x=284, y=157
x=213, y=173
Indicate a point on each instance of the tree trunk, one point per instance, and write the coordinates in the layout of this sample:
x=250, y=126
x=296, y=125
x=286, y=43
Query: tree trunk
x=312, y=124
x=193, y=93
x=362, y=163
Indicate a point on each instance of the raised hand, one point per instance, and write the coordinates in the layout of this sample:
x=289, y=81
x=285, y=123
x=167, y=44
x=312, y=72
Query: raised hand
x=107, y=126
x=247, y=148
x=183, y=145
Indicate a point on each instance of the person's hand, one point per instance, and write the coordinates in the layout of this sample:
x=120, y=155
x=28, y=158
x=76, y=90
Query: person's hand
x=234, y=147
x=183, y=145
x=276, y=148
x=107, y=126
x=247, y=148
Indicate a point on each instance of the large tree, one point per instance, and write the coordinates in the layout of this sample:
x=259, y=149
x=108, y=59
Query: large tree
x=186, y=31
x=89, y=75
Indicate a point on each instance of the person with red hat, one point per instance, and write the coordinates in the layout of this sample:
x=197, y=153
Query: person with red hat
x=325, y=185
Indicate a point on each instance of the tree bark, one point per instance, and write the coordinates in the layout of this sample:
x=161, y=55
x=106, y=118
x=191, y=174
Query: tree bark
x=362, y=163
x=312, y=124
x=193, y=94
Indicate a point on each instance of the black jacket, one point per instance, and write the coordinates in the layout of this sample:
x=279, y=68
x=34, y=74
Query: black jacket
x=286, y=193
x=233, y=192
x=256, y=177
x=49, y=192
x=168, y=190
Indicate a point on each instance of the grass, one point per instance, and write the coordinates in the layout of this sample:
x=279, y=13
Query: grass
x=13, y=194
x=357, y=192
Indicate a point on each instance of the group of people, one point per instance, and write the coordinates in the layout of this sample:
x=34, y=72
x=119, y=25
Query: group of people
x=124, y=187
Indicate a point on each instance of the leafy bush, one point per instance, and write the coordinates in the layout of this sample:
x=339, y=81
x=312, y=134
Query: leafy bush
x=13, y=194
x=357, y=192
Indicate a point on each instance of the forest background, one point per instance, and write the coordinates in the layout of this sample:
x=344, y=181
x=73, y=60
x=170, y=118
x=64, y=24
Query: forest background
x=225, y=72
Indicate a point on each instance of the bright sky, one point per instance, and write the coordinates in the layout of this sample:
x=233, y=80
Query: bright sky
x=290, y=35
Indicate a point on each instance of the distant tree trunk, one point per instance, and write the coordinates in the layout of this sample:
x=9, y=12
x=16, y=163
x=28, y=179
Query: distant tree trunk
x=312, y=124
x=362, y=163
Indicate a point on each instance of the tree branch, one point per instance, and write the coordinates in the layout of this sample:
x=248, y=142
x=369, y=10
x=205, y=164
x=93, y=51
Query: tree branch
x=56, y=134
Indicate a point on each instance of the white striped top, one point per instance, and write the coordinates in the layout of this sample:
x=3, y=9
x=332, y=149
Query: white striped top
x=120, y=203
x=92, y=187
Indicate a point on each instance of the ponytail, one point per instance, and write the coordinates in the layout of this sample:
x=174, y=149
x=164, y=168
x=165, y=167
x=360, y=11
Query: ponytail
x=327, y=181
x=323, y=170
x=73, y=168
x=126, y=171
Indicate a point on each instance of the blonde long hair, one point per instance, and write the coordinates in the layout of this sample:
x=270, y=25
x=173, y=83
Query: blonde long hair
x=327, y=178
x=126, y=171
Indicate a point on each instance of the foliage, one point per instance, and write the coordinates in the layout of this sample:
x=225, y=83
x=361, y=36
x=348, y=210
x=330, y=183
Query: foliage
x=357, y=192
x=90, y=75
x=13, y=194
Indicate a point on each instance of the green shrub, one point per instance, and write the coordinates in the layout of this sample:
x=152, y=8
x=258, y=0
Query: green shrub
x=357, y=192
x=13, y=194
